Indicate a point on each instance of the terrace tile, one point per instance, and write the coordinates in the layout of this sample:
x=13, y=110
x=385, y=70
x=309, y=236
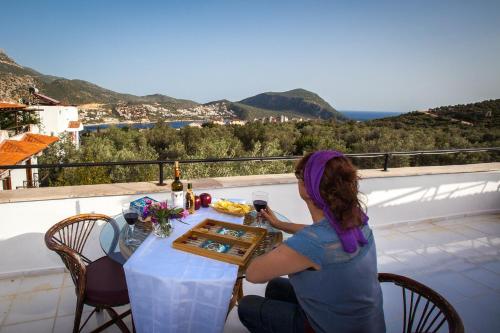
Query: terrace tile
x=9, y=286
x=437, y=236
x=5, y=302
x=39, y=326
x=459, y=258
x=480, y=314
x=397, y=242
x=484, y=277
x=67, y=302
x=492, y=266
x=40, y=283
x=33, y=306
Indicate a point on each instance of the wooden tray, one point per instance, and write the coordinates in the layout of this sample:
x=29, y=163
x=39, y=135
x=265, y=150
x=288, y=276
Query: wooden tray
x=228, y=242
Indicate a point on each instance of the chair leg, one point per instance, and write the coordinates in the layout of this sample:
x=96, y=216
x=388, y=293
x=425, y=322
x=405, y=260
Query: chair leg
x=78, y=316
x=237, y=295
x=113, y=314
x=116, y=319
x=240, y=292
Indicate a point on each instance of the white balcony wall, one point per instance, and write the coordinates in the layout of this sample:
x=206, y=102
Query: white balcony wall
x=18, y=177
x=389, y=200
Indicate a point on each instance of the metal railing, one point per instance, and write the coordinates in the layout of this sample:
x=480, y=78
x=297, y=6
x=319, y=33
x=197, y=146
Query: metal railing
x=31, y=184
x=161, y=163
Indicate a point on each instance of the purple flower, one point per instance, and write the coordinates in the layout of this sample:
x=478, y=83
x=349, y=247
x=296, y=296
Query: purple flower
x=184, y=213
x=145, y=212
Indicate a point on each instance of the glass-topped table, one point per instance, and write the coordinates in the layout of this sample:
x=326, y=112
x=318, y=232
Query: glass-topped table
x=113, y=236
x=176, y=291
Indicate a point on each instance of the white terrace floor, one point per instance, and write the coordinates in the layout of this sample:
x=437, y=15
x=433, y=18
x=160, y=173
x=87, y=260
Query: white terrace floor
x=459, y=258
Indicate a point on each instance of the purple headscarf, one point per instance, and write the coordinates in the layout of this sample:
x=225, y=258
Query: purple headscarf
x=313, y=172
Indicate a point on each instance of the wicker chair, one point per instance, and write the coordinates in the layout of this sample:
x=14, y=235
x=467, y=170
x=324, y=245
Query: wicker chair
x=436, y=309
x=100, y=283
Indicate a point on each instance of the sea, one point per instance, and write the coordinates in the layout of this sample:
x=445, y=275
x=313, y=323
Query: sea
x=354, y=115
x=173, y=124
x=369, y=115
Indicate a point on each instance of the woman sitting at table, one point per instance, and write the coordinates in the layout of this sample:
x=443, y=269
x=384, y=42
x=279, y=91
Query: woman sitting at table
x=332, y=264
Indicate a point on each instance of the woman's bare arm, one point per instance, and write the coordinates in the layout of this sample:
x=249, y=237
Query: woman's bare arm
x=280, y=261
x=287, y=227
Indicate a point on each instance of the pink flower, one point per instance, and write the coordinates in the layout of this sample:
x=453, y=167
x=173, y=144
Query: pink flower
x=163, y=205
x=184, y=213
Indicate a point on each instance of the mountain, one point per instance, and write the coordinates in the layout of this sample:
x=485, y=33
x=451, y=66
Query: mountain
x=485, y=113
x=296, y=102
x=15, y=80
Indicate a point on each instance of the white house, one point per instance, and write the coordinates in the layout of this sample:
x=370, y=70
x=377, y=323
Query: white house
x=56, y=119
x=21, y=145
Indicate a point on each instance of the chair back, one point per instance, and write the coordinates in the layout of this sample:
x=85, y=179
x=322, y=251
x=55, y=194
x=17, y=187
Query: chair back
x=424, y=310
x=68, y=238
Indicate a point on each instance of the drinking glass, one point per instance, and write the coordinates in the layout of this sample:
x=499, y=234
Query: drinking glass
x=259, y=199
x=131, y=217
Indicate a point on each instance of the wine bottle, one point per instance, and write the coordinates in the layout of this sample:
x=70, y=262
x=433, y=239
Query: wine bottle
x=177, y=187
x=190, y=199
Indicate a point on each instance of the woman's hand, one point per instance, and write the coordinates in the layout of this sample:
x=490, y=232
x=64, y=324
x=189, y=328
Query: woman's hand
x=269, y=215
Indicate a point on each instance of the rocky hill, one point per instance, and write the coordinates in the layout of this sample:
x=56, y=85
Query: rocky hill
x=99, y=104
x=15, y=80
x=293, y=102
x=298, y=103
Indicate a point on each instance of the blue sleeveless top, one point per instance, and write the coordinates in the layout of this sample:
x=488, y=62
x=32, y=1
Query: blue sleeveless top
x=345, y=294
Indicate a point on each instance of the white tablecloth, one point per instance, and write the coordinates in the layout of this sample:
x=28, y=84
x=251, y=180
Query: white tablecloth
x=175, y=291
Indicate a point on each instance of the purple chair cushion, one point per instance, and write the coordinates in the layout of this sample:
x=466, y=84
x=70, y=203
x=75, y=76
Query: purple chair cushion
x=106, y=283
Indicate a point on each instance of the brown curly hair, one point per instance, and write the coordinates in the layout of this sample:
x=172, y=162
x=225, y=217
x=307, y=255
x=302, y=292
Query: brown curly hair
x=339, y=188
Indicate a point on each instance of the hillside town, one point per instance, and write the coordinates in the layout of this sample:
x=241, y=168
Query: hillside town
x=216, y=112
x=128, y=112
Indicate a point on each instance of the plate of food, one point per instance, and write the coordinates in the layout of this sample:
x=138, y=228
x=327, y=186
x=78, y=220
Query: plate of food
x=231, y=207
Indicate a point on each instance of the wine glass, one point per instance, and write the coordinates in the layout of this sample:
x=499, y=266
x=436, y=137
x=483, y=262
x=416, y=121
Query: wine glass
x=131, y=217
x=260, y=199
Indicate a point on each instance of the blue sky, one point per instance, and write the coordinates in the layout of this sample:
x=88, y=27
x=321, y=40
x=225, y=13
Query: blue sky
x=357, y=55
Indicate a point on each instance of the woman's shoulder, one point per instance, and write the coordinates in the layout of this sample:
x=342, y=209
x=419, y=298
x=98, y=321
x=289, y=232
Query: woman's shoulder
x=323, y=229
x=321, y=232
x=321, y=243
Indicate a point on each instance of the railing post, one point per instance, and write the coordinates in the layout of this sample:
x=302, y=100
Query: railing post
x=161, y=183
x=386, y=162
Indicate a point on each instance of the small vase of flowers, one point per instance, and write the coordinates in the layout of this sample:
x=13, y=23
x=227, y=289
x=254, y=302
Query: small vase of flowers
x=162, y=216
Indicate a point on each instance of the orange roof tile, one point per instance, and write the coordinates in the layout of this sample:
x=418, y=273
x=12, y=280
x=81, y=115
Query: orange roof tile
x=39, y=138
x=13, y=151
x=11, y=106
x=74, y=124
x=12, y=158
x=14, y=146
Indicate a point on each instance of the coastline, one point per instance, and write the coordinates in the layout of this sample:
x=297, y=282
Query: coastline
x=142, y=122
